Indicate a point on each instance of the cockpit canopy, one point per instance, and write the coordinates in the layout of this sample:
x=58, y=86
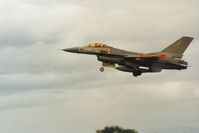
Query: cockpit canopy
x=97, y=45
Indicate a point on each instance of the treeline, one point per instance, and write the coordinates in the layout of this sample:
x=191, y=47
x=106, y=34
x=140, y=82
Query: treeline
x=115, y=129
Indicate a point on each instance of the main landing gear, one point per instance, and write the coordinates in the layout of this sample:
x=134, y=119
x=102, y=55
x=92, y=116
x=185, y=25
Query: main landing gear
x=137, y=73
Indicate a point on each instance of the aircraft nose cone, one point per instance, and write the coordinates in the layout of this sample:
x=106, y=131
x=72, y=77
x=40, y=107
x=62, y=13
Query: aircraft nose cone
x=72, y=50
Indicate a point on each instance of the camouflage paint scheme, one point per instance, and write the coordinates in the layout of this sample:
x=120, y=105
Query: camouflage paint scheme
x=138, y=63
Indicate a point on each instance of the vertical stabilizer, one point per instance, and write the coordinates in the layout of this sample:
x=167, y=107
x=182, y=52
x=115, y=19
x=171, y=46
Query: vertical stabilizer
x=178, y=47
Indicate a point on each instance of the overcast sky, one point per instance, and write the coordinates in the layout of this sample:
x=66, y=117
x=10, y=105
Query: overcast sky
x=45, y=90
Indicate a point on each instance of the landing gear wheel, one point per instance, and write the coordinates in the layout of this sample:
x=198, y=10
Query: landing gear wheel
x=135, y=74
x=101, y=69
x=138, y=73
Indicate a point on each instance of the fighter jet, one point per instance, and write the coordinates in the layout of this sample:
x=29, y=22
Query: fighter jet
x=137, y=63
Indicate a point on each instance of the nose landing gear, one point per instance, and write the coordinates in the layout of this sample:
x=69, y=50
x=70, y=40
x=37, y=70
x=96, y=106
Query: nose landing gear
x=102, y=69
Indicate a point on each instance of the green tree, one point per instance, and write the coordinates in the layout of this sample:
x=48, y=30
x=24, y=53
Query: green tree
x=116, y=129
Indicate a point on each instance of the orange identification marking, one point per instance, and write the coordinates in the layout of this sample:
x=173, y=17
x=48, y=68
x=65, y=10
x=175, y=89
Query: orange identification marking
x=163, y=56
x=141, y=55
x=146, y=55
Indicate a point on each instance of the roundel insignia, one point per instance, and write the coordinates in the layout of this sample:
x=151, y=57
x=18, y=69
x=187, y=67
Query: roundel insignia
x=179, y=43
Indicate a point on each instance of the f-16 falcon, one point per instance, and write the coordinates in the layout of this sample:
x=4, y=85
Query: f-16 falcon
x=137, y=63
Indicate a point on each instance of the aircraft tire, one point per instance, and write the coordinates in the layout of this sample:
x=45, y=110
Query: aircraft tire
x=138, y=73
x=101, y=69
x=135, y=75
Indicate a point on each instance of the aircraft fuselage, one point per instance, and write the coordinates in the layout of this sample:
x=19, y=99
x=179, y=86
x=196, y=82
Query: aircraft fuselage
x=138, y=63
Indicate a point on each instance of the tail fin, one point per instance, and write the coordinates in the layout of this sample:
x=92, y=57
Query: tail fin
x=178, y=47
